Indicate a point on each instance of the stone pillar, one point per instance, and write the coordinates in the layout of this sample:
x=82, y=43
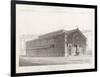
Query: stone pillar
x=66, y=48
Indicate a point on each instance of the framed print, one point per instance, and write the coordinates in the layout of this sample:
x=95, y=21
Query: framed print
x=52, y=38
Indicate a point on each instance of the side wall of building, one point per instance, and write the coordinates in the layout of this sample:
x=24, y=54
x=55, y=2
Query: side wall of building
x=60, y=45
x=46, y=47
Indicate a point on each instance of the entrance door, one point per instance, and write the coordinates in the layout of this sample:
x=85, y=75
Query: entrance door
x=70, y=49
x=76, y=50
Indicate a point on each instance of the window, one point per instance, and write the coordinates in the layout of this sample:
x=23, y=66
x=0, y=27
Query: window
x=52, y=46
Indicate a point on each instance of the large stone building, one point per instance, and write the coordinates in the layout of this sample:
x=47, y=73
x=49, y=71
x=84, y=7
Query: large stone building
x=56, y=44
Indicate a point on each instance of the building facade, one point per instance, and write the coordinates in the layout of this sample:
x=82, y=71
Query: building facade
x=57, y=44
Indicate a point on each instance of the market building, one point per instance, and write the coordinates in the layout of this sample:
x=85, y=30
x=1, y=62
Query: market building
x=57, y=44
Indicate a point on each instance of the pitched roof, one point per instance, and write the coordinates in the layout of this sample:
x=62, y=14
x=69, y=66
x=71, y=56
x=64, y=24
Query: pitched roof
x=74, y=30
x=51, y=34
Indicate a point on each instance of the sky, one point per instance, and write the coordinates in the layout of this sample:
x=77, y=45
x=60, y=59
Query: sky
x=36, y=20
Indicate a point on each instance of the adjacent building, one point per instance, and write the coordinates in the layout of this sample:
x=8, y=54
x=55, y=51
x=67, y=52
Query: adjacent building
x=57, y=44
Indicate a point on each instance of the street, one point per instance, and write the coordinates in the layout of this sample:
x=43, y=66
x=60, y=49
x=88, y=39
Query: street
x=34, y=61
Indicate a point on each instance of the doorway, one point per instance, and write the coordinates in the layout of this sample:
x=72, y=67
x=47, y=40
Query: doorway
x=69, y=49
x=76, y=50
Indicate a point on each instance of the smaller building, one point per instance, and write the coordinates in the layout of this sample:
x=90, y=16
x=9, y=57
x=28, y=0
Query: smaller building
x=57, y=44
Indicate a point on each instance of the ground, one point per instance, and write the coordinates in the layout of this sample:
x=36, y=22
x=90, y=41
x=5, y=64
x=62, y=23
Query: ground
x=33, y=61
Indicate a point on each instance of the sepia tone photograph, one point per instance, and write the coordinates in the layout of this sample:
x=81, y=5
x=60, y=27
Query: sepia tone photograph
x=54, y=38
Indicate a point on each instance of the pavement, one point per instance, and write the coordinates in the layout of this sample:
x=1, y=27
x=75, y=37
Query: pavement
x=35, y=61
